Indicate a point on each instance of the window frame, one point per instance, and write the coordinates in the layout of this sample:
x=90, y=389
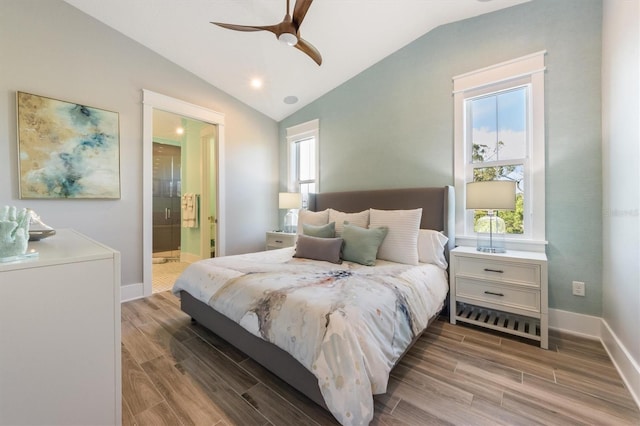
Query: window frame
x=295, y=134
x=524, y=71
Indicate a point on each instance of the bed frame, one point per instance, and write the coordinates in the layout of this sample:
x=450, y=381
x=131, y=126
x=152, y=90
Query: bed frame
x=437, y=213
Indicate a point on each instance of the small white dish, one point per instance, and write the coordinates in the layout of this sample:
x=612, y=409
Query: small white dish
x=37, y=235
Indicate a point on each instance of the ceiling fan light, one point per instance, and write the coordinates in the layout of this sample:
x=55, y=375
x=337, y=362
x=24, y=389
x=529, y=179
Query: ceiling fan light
x=288, y=38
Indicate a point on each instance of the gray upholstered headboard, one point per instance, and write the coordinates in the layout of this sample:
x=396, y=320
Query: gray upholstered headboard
x=438, y=208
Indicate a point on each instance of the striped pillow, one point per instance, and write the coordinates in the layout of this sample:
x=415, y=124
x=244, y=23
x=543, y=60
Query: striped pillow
x=401, y=243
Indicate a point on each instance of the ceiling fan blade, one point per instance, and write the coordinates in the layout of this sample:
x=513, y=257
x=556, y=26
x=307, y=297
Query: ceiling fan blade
x=309, y=50
x=271, y=28
x=289, y=27
x=300, y=10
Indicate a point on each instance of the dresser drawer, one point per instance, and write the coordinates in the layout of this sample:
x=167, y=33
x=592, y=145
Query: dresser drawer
x=495, y=270
x=478, y=291
x=278, y=240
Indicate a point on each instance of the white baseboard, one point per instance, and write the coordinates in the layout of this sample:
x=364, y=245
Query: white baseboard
x=623, y=361
x=131, y=292
x=583, y=325
x=597, y=328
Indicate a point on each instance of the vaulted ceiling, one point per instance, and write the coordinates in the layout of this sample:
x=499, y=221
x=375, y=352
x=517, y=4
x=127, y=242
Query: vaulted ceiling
x=351, y=35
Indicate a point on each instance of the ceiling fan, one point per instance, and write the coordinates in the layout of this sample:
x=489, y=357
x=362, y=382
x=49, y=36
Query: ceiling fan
x=287, y=31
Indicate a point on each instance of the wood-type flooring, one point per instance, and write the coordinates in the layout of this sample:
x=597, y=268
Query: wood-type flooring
x=175, y=372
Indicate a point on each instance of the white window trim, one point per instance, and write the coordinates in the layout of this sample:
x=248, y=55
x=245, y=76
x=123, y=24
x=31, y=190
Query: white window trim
x=294, y=134
x=530, y=70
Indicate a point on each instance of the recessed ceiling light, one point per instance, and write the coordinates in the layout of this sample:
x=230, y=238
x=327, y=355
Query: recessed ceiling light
x=256, y=83
x=290, y=100
x=179, y=130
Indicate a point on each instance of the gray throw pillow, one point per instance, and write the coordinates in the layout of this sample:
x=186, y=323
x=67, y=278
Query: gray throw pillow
x=361, y=244
x=317, y=248
x=322, y=231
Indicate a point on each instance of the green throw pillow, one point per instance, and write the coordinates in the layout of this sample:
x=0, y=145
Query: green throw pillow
x=321, y=231
x=361, y=244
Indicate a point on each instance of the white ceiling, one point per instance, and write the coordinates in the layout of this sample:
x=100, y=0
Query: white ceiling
x=351, y=35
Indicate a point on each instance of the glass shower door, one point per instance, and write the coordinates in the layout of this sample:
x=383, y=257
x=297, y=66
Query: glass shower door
x=166, y=200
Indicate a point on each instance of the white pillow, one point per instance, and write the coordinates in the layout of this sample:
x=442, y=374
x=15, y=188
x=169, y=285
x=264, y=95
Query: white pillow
x=401, y=243
x=431, y=245
x=360, y=219
x=312, y=218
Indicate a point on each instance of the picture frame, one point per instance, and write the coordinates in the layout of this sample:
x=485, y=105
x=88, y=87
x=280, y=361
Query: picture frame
x=66, y=150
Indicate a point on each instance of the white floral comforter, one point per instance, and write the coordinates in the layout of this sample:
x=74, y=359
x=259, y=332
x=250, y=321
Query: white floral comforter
x=348, y=324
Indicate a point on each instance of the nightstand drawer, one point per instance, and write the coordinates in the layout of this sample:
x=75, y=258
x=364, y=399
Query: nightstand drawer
x=494, y=270
x=478, y=291
x=278, y=240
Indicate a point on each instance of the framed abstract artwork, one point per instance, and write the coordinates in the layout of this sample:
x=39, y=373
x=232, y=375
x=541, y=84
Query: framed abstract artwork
x=67, y=150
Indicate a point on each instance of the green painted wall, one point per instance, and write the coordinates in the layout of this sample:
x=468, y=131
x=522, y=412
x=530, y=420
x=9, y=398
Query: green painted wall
x=392, y=125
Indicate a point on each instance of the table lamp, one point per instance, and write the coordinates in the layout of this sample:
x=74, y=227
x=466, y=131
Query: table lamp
x=291, y=201
x=491, y=196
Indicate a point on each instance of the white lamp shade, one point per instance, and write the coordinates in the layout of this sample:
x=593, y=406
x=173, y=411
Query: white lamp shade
x=289, y=200
x=491, y=195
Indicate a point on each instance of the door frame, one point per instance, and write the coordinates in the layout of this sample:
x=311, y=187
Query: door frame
x=206, y=215
x=151, y=100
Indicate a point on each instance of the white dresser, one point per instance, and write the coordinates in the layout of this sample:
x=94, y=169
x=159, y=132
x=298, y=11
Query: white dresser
x=60, y=334
x=502, y=291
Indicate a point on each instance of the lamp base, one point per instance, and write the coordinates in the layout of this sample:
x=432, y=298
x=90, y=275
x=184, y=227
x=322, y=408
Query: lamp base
x=291, y=221
x=491, y=250
x=490, y=242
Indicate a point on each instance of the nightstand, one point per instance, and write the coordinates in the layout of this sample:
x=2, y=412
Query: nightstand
x=278, y=240
x=501, y=291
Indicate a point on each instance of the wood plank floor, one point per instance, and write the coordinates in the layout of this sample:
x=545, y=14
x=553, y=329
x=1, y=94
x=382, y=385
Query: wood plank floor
x=175, y=372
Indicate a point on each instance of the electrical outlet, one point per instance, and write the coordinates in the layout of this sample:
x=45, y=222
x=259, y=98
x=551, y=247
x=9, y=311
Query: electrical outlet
x=578, y=288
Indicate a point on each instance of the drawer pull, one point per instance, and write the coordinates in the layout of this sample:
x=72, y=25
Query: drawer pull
x=494, y=294
x=493, y=270
x=279, y=241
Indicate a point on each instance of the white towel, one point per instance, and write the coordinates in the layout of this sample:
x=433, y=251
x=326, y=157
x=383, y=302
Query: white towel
x=190, y=210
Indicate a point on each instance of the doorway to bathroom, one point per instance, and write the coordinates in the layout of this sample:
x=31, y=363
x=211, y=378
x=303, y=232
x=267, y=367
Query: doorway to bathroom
x=184, y=194
x=183, y=183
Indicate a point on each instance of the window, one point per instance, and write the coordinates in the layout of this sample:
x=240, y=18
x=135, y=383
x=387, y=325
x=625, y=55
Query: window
x=499, y=135
x=302, y=143
x=496, y=135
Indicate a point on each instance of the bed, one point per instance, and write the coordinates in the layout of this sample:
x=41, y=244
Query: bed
x=294, y=298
